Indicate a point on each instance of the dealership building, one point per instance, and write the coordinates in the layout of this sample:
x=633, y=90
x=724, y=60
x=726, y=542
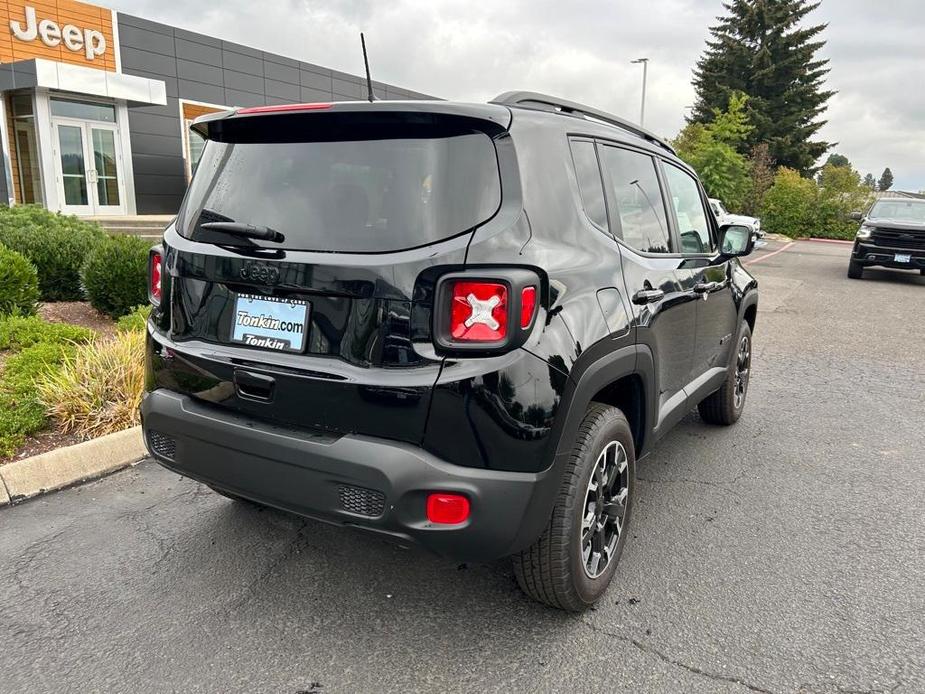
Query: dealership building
x=96, y=104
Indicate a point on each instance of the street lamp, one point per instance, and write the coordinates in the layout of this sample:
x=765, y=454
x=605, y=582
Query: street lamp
x=645, y=72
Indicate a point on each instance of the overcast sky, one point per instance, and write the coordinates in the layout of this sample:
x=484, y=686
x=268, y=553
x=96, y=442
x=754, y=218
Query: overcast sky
x=465, y=50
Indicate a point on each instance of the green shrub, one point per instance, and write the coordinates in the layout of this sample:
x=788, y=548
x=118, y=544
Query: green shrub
x=115, y=274
x=788, y=205
x=136, y=320
x=57, y=245
x=19, y=283
x=21, y=410
x=19, y=332
x=799, y=207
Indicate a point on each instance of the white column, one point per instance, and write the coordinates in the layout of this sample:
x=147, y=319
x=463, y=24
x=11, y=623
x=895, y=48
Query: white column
x=45, y=137
x=7, y=161
x=126, y=170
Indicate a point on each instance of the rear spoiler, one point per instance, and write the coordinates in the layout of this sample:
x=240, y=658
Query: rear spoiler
x=492, y=119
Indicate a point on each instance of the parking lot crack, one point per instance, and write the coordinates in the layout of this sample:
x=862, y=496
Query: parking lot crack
x=693, y=669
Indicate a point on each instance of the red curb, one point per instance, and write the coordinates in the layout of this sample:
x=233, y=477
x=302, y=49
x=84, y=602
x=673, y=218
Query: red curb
x=827, y=240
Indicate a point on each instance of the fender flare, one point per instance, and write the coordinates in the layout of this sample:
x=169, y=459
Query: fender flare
x=750, y=299
x=632, y=360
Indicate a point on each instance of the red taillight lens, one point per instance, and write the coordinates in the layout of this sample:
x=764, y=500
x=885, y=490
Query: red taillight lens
x=527, y=305
x=447, y=509
x=154, y=278
x=479, y=312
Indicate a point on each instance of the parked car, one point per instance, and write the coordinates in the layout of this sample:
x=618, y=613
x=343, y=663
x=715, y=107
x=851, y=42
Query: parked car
x=724, y=216
x=892, y=234
x=457, y=325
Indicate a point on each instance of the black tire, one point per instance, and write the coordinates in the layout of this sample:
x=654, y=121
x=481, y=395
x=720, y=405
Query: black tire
x=555, y=570
x=725, y=406
x=855, y=270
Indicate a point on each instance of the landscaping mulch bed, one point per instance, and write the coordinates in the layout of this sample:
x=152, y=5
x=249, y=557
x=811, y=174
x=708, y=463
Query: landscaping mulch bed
x=79, y=313
x=42, y=442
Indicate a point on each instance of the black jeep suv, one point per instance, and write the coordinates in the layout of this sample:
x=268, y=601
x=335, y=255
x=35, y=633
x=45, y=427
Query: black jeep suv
x=450, y=324
x=892, y=234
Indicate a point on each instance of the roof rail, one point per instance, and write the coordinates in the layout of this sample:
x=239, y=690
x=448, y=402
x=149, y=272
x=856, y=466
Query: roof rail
x=554, y=104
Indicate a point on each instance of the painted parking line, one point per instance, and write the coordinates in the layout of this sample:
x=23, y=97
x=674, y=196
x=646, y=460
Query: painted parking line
x=769, y=255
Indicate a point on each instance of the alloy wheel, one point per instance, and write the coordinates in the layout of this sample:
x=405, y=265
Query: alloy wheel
x=743, y=367
x=604, y=509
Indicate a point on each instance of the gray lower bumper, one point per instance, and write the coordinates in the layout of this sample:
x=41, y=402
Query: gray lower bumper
x=343, y=479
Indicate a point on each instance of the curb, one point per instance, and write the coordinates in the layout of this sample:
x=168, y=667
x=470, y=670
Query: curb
x=63, y=467
x=815, y=240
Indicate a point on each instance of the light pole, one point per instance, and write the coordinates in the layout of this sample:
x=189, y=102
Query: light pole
x=645, y=74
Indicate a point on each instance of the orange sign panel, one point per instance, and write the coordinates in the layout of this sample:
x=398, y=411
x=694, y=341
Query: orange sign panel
x=61, y=30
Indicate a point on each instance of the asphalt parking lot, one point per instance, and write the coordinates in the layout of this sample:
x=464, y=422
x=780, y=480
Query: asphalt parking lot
x=784, y=554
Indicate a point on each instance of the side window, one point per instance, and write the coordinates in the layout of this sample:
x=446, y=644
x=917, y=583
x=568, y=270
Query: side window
x=589, y=181
x=693, y=227
x=638, y=199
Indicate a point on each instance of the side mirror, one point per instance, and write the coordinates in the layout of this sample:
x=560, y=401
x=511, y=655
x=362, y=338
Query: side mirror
x=856, y=216
x=736, y=240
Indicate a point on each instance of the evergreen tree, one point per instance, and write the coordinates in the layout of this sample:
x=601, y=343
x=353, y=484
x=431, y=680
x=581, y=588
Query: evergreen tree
x=886, y=180
x=836, y=159
x=761, y=48
x=870, y=182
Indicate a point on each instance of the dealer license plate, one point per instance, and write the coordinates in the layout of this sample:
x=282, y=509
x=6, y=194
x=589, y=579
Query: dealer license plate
x=270, y=323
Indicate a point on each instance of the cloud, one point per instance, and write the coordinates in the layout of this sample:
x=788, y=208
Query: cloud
x=459, y=49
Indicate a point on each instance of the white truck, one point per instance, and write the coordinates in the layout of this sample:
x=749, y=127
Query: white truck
x=723, y=216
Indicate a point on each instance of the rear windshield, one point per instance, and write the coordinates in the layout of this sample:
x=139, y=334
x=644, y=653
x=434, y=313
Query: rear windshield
x=363, y=195
x=899, y=211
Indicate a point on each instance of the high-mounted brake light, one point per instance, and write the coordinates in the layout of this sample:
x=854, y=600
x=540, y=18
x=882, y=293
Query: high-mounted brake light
x=447, y=509
x=282, y=108
x=155, y=272
x=479, y=312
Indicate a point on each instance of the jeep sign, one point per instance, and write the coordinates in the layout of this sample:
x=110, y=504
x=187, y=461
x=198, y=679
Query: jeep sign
x=90, y=41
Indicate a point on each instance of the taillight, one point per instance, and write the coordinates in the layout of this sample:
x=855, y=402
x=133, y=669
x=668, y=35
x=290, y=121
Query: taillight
x=479, y=312
x=447, y=509
x=155, y=272
x=486, y=310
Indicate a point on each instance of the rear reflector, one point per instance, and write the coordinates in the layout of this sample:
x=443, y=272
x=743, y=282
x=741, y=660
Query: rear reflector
x=479, y=312
x=447, y=509
x=284, y=108
x=527, y=305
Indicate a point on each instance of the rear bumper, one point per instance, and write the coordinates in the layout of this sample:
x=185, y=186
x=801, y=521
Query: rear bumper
x=363, y=482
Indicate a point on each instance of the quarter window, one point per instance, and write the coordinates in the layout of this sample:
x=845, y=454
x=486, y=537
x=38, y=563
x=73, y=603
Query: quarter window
x=589, y=181
x=693, y=227
x=638, y=199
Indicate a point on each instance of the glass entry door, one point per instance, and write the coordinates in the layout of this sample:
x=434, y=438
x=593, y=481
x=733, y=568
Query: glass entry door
x=89, y=163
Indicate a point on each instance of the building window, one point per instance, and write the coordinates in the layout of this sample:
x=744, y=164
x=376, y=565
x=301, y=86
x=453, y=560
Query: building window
x=194, y=146
x=27, y=176
x=193, y=142
x=83, y=110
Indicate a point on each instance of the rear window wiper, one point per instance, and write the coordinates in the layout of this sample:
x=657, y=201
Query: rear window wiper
x=250, y=231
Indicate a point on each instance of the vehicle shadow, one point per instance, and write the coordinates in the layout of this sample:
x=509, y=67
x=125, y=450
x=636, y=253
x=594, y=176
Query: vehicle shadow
x=906, y=277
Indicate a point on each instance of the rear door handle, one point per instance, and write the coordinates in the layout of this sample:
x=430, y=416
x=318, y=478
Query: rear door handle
x=648, y=296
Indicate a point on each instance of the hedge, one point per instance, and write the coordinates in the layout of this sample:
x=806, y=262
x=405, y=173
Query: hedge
x=19, y=284
x=56, y=244
x=115, y=274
